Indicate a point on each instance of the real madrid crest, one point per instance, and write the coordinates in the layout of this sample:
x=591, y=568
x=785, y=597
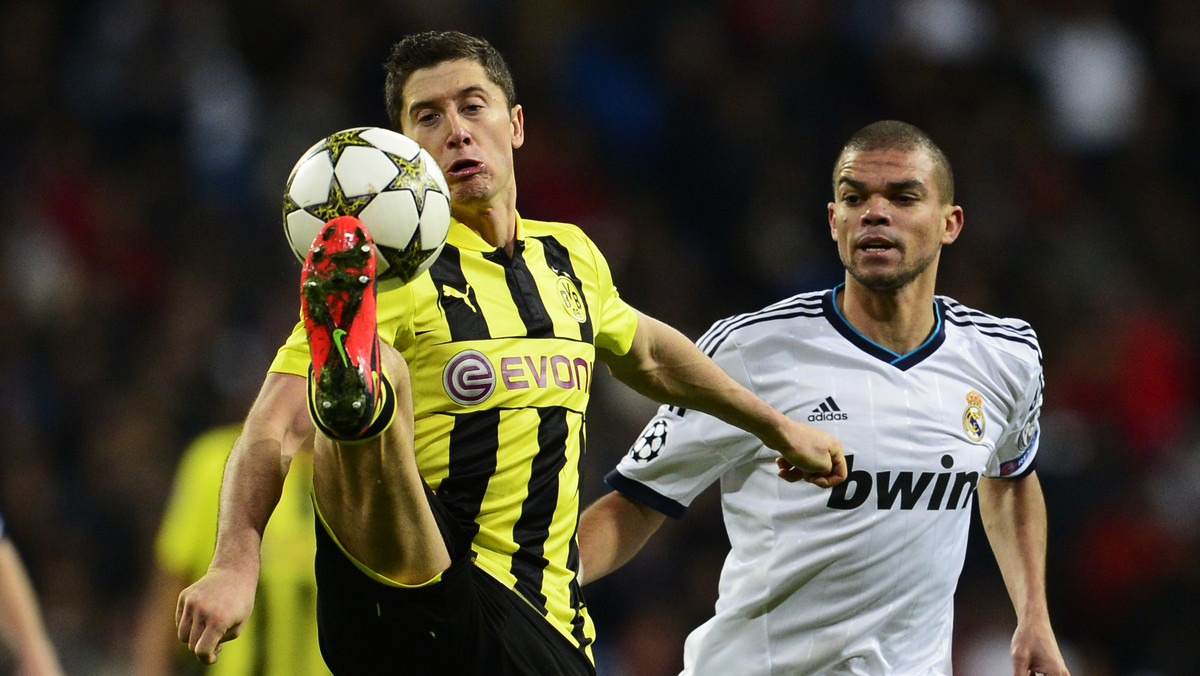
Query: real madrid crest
x=973, y=421
x=571, y=299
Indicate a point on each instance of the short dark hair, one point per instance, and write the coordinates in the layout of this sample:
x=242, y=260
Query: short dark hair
x=896, y=135
x=425, y=50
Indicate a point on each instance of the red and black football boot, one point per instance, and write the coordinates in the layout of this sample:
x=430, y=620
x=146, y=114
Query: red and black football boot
x=347, y=396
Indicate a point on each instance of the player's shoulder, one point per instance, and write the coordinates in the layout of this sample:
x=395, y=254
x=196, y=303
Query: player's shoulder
x=1007, y=334
x=535, y=228
x=564, y=239
x=795, y=310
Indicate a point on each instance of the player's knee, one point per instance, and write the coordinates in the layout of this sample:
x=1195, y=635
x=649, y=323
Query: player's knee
x=394, y=363
x=395, y=371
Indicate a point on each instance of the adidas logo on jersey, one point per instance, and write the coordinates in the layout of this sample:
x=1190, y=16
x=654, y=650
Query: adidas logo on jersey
x=828, y=410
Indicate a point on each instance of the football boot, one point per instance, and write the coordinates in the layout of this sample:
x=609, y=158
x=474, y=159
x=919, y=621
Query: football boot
x=347, y=395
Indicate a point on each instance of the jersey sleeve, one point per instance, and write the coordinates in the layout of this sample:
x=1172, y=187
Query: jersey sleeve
x=682, y=452
x=616, y=320
x=293, y=356
x=1017, y=449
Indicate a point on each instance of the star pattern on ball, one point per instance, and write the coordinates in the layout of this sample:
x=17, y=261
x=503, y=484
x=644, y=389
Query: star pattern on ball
x=336, y=144
x=338, y=204
x=289, y=205
x=412, y=176
x=403, y=263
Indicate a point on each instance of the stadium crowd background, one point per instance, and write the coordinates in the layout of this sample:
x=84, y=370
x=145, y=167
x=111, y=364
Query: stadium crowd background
x=147, y=283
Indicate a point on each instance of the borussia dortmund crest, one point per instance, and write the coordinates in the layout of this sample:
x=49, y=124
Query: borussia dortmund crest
x=571, y=300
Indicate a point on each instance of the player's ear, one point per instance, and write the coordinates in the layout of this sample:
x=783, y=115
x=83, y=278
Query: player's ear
x=517, y=116
x=832, y=221
x=952, y=218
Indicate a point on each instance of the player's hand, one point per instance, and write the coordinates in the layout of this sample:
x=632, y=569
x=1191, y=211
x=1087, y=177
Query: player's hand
x=808, y=454
x=1035, y=650
x=213, y=610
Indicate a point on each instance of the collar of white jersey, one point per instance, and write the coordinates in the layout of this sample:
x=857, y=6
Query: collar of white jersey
x=462, y=237
x=901, y=361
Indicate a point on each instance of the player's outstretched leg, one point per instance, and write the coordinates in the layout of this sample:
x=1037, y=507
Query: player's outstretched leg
x=347, y=396
x=367, y=488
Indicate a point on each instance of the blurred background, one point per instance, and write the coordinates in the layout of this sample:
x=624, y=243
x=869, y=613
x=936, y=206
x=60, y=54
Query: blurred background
x=144, y=145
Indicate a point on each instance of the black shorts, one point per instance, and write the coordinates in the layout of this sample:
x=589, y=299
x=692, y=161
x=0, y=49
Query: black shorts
x=465, y=624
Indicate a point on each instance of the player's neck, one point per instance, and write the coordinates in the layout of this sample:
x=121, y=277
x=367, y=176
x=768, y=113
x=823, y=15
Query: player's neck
x=495, y=222
x=898, y=320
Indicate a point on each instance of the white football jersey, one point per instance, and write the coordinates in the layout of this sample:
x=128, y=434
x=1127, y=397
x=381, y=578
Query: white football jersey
x=858, y=579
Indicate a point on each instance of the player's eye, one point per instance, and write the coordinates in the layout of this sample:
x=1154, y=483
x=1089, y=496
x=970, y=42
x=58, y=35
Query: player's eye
x=851, y=198
x=426, y=118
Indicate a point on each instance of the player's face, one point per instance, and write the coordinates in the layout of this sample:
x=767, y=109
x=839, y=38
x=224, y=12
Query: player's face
x=887, y=218
x=462, y=118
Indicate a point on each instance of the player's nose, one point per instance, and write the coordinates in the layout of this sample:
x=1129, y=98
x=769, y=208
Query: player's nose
x=460, y=133
x=875, y=215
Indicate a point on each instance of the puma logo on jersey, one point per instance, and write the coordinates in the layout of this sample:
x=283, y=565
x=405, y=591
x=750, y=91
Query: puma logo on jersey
x=464, y=296
x=904, y=490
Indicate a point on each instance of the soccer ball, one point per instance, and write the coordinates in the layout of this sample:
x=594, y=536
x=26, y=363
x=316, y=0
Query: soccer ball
x=382, y=178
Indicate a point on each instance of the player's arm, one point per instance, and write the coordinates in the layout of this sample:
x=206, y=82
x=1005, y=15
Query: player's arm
x=213, y=609
x=21, y=624
x=667, y=367
x=611, y=531
x=1013, y=512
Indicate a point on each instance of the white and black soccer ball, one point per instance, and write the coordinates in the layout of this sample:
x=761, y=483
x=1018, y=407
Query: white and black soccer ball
x=382, y=178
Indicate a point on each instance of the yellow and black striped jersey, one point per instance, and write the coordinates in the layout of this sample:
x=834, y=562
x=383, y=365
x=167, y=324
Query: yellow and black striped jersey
x=280, y=637
x=501, y=353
